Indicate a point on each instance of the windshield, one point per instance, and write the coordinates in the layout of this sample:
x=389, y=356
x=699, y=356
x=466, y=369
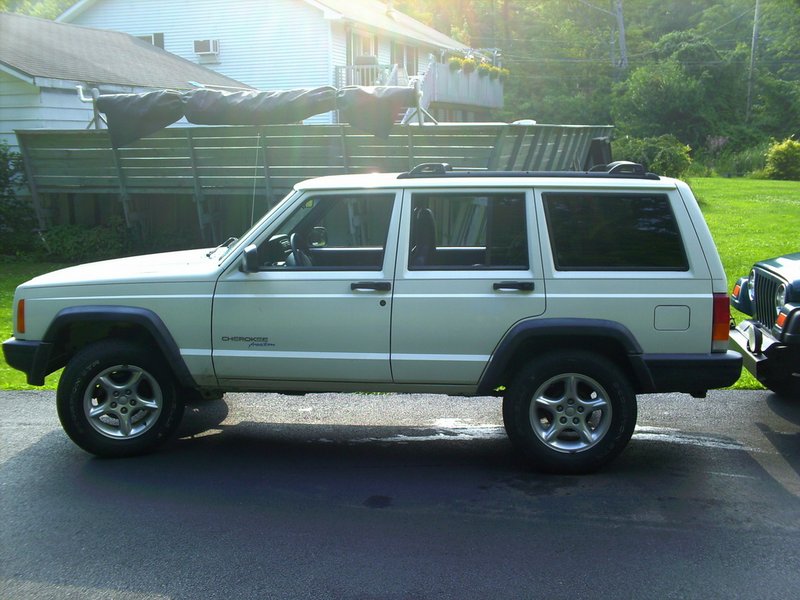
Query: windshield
x=247, y=237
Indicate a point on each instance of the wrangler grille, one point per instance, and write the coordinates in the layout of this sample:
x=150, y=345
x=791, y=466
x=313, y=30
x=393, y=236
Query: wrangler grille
x=766, y=288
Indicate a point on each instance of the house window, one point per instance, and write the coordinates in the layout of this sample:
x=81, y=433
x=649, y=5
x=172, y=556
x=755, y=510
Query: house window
x=405, y=57
x=157, y=39
x=363, y=44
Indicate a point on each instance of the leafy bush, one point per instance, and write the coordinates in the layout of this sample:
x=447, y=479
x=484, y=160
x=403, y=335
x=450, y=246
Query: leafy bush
x=783, y=160
x=665, y=155
x=468, y=65
x=742, y=163
x=17, y=218
x=76, y=243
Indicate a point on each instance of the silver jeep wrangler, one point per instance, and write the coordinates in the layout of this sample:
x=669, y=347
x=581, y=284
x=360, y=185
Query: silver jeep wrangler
x=566, y=293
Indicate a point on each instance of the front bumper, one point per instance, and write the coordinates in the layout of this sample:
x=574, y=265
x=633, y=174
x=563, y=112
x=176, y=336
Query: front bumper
x=31, y=357
x=773, y=360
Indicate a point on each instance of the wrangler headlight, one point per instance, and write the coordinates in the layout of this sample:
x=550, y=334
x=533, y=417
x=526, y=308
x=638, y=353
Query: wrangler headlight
x=780, y=298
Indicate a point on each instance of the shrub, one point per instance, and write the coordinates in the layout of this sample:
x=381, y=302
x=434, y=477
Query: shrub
x=783, y=160
x=76, y=243
x=17, y=217
x=665, y=154
x=744, y=162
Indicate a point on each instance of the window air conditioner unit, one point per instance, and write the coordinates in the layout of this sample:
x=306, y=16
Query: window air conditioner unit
x=206, y=47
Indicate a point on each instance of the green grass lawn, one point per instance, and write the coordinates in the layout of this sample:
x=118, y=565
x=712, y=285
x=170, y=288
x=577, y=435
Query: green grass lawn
x=749, y=219
x=11, y=275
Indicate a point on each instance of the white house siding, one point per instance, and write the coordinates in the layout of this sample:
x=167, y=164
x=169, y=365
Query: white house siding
x=25, y=106
x=268, y=44
x=338, y=46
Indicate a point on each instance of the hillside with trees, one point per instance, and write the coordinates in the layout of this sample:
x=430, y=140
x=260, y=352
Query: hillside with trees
x=688, y=68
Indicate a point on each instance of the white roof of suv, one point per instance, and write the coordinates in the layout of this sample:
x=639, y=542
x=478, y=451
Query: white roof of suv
x=436, y=175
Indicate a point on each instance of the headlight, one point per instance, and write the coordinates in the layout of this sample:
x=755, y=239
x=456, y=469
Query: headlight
x=780, y=298
x=751, y=285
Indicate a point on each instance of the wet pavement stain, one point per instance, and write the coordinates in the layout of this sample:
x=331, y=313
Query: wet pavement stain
x=378, y=502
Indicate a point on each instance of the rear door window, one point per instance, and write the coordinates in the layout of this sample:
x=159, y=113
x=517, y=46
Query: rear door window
x=468, y=230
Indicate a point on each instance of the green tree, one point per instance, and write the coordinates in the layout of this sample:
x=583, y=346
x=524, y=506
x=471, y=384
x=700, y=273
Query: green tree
x=661, y=98
x=44, y=9
x=561, y=56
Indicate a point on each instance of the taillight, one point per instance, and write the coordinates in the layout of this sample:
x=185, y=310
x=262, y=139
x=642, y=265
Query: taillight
x=720, y=329
x=21, y=316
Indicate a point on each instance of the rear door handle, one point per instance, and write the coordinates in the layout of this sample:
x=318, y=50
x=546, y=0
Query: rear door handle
x=523, y=286
x=378, y=286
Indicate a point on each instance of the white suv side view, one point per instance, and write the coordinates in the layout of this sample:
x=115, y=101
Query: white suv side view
x=566, y=293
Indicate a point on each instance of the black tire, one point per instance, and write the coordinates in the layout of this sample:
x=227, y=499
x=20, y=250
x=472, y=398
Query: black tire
x=570, y=412
x=117, y=398
x=787, y=387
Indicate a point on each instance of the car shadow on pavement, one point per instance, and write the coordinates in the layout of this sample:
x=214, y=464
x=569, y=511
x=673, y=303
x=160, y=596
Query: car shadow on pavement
x=785, y=407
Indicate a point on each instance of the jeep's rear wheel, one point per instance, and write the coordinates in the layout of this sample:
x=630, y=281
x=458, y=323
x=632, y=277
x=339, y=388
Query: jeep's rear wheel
x=570, y=412
x=116, y=398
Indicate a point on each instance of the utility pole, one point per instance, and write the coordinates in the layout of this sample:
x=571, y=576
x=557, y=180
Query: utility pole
x=753, y=50
x=619, y=16
x=623, y=47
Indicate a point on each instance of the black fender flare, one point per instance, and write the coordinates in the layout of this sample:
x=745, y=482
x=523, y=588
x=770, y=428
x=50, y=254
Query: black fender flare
x=566, y=330
x=140, y=317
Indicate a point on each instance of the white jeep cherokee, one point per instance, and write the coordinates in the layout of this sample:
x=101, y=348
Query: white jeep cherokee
x=566, y=293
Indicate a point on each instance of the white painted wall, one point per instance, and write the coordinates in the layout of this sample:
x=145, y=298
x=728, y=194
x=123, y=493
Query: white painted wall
x=270, y=45
x=25, y=106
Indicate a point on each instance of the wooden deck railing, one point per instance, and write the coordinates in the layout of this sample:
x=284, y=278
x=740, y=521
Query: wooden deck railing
x=263, y=163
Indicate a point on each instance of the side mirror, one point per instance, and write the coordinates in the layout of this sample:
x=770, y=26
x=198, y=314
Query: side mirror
x=251, y=262
x=318, y=237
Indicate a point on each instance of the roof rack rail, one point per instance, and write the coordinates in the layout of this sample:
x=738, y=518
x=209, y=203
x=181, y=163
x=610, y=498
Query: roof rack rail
x=620, y=169
x=429, y=170
x=620, y=166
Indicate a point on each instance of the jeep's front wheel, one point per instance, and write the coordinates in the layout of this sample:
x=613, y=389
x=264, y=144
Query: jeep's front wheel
x=786, y=386
x=116, y=398
x=570, y=412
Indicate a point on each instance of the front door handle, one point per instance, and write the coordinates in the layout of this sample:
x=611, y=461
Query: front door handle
x=377, y=286
x=523, y=286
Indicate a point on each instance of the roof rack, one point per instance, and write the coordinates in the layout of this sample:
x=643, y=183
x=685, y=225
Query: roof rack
x=620, y=169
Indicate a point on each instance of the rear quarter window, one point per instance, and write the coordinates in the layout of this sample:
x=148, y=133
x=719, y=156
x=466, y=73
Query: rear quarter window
x=613, y=232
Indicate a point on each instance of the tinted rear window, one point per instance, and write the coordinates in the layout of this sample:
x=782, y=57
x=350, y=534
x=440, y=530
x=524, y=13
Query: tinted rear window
x=628, y=232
